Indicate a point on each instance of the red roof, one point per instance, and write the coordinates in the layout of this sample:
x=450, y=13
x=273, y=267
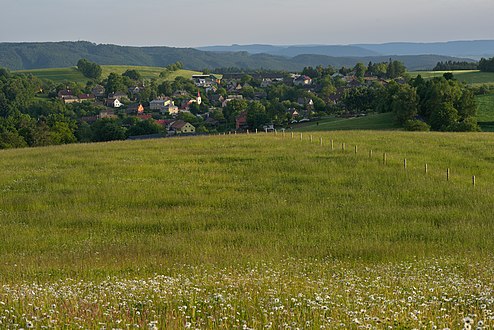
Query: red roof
x=145, y=117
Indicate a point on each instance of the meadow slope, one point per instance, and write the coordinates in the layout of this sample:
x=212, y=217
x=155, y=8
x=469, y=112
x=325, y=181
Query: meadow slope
x=250, y=231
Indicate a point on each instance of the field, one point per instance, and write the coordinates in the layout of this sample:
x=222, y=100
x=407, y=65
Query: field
x=471, y=77
x=384, y=121
x=71, y=73
x=250, y=231
x=485, y=112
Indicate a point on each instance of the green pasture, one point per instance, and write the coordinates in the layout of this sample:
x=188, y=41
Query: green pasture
x=485, y=112
x=471, y=77
x=58, y=74
x=72, y=74
x=131, y=208
x=384, y=121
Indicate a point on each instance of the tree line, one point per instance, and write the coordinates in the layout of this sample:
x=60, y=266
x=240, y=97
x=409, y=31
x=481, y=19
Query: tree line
x=455, y=65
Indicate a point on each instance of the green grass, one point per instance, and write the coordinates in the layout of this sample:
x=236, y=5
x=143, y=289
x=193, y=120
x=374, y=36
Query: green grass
x=260, y=230
x=485, y=112
x=385, y=121
x=471, y=77
x=71, y=73
x=130, y=206
x=58, y=74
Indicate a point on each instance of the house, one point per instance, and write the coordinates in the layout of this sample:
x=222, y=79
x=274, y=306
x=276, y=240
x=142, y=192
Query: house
x=98, y=91
x=160, y=103
x=108, y=113
x=293, y=113
x=70, y=99
x=113, y=102
x=134, y=90
x=87, y=97
x=118, y=95
x=135, y=108
x=182, y=127
x=241, y=120
x=302, y=80
x=145, y=116
x=204, y=80
x=230, y=98
x=170, y=109
x=266, y=82
x=63, y=93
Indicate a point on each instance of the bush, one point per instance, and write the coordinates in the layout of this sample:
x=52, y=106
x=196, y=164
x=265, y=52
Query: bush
x=417, y=125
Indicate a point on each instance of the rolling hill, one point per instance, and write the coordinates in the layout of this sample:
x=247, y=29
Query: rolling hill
x=471, y=49
x=27, y=56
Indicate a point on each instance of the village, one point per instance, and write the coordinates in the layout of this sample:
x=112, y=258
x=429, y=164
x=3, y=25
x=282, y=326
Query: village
x=210, y=103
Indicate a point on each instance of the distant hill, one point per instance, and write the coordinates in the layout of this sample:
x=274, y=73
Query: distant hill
x=27, y=56
x=290, y=51
x=474, y=49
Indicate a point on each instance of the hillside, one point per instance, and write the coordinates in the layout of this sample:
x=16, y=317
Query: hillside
x=27, y=56
x=243, y=195
x=72, y=74
x=256, y=231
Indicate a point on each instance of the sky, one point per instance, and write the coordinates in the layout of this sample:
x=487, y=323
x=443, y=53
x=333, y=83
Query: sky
x=192, y=23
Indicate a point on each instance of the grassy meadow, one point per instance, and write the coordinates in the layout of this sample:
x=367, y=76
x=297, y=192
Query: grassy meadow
x=381, y=121
x=250, y=231
x=471, y=77
x=72, y=74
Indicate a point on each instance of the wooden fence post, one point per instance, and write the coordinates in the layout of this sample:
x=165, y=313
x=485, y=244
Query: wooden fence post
x=343, y=146
x=256, y=130
x=320, y=141
x=370, y=153
x=473, y=180
x=301, y=138
x=332, y=145
x=447, y=174
x=247, y=132
x=311, y=138
x=405, y=163
x=292, y=135
x=385, y=160
x=426, y=168
x=356, y=149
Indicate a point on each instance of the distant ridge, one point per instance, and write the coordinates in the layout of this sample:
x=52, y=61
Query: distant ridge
x=474, y=49
x=26, y=56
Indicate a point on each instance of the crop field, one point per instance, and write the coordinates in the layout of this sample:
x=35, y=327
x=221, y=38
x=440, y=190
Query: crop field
x=250, y=231
x=71, y=73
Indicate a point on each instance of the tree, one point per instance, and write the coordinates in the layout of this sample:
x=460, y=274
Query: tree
x=486, y=65
x=405, y=104
x=144, y=127
x=132, y=74
x=115, y=83
x=107, y=129
x=89, y=69
x=256, y=115
x=360, y=70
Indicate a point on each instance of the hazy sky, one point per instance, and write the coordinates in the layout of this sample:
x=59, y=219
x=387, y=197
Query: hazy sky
x=222, y=22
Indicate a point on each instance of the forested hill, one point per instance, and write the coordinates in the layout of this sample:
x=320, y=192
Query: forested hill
x=19, y=56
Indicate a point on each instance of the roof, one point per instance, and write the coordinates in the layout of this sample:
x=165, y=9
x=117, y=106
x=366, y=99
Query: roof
x=178, y=124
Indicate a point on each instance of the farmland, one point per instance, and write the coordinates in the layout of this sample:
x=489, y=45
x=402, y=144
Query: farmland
x=250, y=231
x=471, y=77
x=72, y=74
x=383, y=121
